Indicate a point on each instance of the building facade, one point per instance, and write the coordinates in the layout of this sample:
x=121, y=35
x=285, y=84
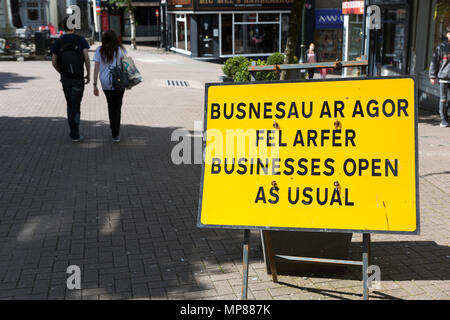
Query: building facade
x=428, y=24
x=6, y=23
x=226, y=28
x=410, y=31
x=147, y=15
x=252, y=28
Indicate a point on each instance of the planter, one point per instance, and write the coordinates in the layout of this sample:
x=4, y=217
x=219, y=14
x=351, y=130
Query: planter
x=225, y=79
x=328, y=245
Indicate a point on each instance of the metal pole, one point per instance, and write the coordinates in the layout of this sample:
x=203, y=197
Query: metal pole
x=245, y=264
x=167, y=27
x=253, y=74
x=364, y=31
x=365, y=256
x=302, y=44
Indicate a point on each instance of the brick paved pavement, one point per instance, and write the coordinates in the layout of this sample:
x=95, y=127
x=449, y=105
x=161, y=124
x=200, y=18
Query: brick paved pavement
x=127, y=216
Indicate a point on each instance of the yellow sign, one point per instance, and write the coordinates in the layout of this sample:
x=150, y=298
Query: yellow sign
x=337, y=155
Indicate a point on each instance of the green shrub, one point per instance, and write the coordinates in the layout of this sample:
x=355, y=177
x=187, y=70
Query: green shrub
x=275, y=58
x=237, y=68
x=234, y=65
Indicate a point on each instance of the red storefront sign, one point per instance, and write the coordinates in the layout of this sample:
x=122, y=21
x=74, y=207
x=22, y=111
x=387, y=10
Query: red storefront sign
x=352, y=7
x=105, y=21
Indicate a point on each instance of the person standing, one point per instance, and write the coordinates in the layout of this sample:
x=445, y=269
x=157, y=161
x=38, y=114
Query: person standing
x=311, y=57
x=70, y=53
x=108, y=55
x=440, y=72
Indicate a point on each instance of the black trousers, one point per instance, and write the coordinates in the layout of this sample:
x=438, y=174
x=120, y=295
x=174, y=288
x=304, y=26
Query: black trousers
x=444, y=90
x=73, y=92
x=114, y=99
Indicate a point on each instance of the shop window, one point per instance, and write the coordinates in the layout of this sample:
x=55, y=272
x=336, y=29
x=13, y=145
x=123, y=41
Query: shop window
x=328, y=44
x=146, y=16
x=174, y=31
x=32, y=11
x=181, y=35
x=246, y=17
x=284, y=31
x=146, y=23
x=392, y=54
x=355, y=37
x=181, y=32
x=256, y=38
x=394, y=45
x=440, y=22
x=33, y=14
x=227, y=34
x=268, y=17
x=188, y=32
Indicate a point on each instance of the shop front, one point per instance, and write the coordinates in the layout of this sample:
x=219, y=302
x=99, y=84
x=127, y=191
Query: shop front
x=353, y=12
x=427, y=32
x=147, y=21
x=221, y=29
x=392, y=41
x=328, y=33
x=118, y=19
x=410, y=32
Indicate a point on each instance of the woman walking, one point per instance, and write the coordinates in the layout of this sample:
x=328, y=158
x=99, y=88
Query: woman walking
x=108, y=55
x=311, y=57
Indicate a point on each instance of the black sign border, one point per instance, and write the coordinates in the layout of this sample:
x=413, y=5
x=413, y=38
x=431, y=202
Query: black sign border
x=205, y=116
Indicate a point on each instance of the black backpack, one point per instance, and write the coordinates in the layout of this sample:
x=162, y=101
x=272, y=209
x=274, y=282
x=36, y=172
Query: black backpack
x=71, y=59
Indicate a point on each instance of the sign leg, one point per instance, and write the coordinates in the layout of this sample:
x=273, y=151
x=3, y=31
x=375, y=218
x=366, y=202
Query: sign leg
x=245, y=264
x=365, y=257
x=271, y=256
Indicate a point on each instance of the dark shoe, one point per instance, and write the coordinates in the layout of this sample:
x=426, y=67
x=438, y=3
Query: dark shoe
x=116, y=139
x=79, y=139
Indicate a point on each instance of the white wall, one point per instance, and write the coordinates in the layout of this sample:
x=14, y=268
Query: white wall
x=5, y=15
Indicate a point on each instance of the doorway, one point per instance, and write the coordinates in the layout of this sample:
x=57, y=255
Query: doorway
x=205, y=35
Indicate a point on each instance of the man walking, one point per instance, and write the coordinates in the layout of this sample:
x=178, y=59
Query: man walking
x=69, y=55
x=440, y=72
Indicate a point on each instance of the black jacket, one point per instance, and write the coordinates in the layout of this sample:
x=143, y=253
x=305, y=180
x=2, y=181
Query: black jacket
x=440, y=63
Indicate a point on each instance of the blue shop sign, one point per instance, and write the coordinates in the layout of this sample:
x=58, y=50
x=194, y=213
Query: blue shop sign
x=329, y=19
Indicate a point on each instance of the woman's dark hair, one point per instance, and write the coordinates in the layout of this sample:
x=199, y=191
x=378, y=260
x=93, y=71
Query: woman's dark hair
x=110, y=45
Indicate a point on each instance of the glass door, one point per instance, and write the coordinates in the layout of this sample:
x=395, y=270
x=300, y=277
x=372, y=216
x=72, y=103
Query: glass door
x=392, y=56
x=205, y=35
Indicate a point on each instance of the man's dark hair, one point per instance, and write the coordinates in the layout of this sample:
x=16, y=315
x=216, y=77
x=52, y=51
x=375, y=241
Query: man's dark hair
x=64, y=25
x=447, y=30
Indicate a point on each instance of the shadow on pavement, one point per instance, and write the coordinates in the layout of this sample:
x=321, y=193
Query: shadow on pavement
x=341, y=295
x=127, y=216
x=429, y=117
x=8, y=78
x=122, y=212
